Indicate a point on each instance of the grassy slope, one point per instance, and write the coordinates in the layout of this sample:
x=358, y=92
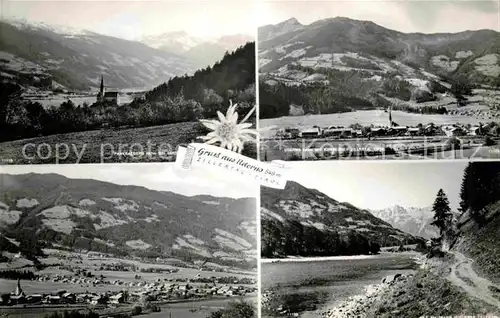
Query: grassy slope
x=435, y=294
x=162, y=138
x=426, y=293
x=482, y=245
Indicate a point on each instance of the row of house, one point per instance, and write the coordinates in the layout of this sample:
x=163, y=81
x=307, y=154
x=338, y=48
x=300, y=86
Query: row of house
x=157, y=290
x=394, y=131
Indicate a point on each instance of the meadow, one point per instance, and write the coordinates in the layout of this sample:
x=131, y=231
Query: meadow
x=149, y=144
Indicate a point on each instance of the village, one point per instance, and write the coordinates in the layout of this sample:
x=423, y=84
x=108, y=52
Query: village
x=97, y=281
x=391, y=130
x=160, y=291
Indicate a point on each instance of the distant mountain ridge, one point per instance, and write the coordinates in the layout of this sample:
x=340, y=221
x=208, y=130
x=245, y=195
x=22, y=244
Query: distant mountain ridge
x=313, y=45
x=105, y=217
x=202, y=52
x=354, y=65
x=77, y=58
x=413, y=220
x=309, y=223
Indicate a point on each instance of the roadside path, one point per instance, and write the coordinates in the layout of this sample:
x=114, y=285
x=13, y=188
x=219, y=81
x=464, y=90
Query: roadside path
x=463, y=275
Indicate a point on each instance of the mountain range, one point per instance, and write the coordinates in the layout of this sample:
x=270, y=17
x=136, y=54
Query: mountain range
x=345, y=44
x=201, y=52
x=340, y=64
x=130, y=220
x=306, y=222
x=413, y=220
x=76, y=58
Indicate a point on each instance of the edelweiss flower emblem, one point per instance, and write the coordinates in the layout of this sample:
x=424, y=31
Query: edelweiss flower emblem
x=227, y=131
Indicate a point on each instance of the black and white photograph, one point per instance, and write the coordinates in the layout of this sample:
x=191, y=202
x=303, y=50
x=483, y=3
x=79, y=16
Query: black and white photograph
x=124, y=81
x=379, y=80
x=382, y=239
x=123, y=240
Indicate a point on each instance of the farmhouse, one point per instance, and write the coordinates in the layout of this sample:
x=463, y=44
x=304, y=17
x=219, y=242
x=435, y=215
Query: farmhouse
x=117, y=299
x=310, y=133
x=475, y=131
x=378, y=131
x=451, y=131
x=338, y=132
x=397, y=130
x=413, y=131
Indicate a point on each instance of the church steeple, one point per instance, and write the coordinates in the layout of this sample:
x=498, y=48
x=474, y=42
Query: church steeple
x=390, y=117
x=100, y=95
x=19, y=290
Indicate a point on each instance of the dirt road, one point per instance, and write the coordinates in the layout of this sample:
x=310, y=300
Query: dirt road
x=463, y=275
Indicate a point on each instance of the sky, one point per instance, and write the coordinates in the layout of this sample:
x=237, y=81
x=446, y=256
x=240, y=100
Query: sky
x=154, y=176
x=134, y=19
x=401, y=15
x=378, y=185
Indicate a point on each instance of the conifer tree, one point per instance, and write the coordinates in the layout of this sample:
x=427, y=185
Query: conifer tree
x=442, y=212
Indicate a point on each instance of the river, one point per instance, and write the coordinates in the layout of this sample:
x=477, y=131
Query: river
x=311, y=287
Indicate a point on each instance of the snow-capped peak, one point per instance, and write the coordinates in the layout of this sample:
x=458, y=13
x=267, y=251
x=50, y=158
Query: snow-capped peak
x=22, y=23
x=179, y=39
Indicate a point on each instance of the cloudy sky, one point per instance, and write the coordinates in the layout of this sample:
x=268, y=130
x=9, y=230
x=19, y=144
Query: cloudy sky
x=378, y=185
x=133, y=19
x=402, y=15
x=155, y=176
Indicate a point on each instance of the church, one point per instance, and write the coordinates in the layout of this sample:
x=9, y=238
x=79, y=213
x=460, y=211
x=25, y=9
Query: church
x=107, y=97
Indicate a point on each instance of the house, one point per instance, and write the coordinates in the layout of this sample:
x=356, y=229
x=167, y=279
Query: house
x=289, y=133
x=378, y=131
x=117, y=299
x=338, y=132
x=413, y=131
x=99, y=300
x=453, y=131
x=52, y=299
x=34, y=298
x=68, y=298
x=397, y=130
x=17, y=299
x=111, y=98
x=475, y=131
x=310, y=133
x=358, y=133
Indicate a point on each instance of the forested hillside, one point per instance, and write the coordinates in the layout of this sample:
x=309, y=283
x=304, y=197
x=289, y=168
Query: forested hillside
x=231, y=78
x=305, y=222
x=479, y=224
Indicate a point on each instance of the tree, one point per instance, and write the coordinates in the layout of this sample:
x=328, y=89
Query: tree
x=235, y=309
x=442, y=212
x=480, y=187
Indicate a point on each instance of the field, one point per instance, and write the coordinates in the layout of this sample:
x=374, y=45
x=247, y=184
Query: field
x=187, y=309
x=364, y=118
x=149, y=144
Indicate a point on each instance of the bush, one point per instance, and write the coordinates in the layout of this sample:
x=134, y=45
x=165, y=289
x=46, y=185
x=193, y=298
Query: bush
x=137, y=310
x=235, y=310
x=488, y=141
x=72, y=314
x=389, y=151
